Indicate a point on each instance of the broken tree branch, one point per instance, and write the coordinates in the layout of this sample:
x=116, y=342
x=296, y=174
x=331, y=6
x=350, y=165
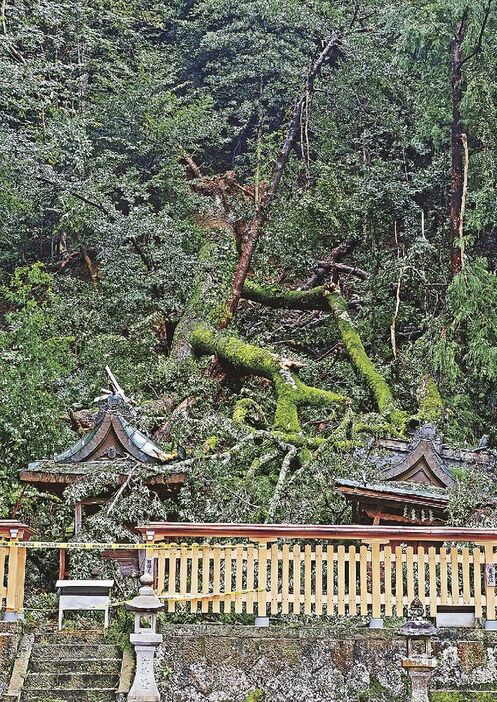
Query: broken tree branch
x=275, y=500
x=330, y=53
x=323, y=268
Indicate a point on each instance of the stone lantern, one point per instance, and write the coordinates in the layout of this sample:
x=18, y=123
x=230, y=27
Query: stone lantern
x=145, y=640
x=419, y=661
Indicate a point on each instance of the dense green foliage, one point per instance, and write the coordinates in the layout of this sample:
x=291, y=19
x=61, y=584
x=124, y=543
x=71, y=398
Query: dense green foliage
x=103, y=234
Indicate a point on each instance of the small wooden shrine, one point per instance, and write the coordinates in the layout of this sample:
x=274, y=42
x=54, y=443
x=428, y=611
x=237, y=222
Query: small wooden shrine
x=113, y=448
x=414, y=480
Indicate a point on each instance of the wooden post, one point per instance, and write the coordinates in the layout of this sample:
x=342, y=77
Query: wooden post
x=490, y=582
x=62, y=564
x=12, y=582
x=262, y=582
x=376, y=580
x=21, y=577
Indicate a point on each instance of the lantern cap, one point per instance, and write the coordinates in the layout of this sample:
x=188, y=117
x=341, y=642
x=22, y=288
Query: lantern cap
x=417, y=626
x=146, y=600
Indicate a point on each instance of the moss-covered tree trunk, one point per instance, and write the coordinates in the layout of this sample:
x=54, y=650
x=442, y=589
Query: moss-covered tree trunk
x=199, y=333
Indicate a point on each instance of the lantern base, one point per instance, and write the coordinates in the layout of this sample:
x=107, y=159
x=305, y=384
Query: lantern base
x=144, y=688
x=420, y=669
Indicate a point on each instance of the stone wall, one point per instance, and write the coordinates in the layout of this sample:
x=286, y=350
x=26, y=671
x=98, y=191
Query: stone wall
x=9, y=641
x=218, y=663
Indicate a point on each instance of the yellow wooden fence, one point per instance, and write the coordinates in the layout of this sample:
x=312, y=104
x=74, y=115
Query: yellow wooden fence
x=362, y=577
x=299, y=569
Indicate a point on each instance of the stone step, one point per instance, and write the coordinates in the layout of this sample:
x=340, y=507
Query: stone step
x=82, y=636
x=64, y=695
x=70, y=681
x=78, y=665
x=463, y=696
x=72, y=651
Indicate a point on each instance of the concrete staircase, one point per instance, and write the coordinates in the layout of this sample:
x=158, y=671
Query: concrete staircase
x=79, y=667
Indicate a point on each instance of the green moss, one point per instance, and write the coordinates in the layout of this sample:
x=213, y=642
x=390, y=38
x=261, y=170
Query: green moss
x=321, y=298
x=210, y=444
x=375, y=691
x=247, y=408
x=272, y=296
x=255, y=696
x=291, y=392
x=431, y=406
x=361, y=361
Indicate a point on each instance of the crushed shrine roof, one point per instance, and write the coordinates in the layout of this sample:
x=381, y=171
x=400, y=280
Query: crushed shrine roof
x=113, y=446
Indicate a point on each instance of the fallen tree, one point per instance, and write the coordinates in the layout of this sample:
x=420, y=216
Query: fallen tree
x=229, y=244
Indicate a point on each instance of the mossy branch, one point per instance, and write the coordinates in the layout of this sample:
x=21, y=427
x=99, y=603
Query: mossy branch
x=291, y=392
x=279, y=298
x=324, y=298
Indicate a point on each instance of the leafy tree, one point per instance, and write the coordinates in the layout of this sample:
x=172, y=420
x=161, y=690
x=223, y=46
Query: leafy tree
x=34, y=361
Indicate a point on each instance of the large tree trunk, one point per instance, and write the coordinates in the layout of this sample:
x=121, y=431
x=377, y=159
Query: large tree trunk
x=456, y=194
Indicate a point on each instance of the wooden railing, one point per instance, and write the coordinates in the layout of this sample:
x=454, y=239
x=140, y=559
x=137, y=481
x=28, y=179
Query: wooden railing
x=374, y=571
x=12, y=567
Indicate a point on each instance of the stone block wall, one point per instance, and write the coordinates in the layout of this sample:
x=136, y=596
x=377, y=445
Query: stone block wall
x=218, y=663
x=9, y=641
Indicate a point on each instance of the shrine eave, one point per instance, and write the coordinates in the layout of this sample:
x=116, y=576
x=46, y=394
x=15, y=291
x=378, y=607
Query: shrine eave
x=393, y=492
x=53, y=476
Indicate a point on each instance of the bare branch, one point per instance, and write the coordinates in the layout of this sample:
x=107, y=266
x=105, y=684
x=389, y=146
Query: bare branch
x=478, y=45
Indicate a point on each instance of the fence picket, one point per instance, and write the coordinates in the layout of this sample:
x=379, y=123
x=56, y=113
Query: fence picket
x=285, y=579
x=399, y=582
x=194, y=578
x=206, y=567
x=352, y=581
x=364, y=579
x=330, y=580
x=421, y=576
x=296, y=579
x=239, y=579
x=477, y=554
x=228, y=575
x=432, y=570
x=274, y=578
x=466, y=580
x=307, y=579
x=444, y=596
x=171, y=581
x=387, y=559
x=319, y=580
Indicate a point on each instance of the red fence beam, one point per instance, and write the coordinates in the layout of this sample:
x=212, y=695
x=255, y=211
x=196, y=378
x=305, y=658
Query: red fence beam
x=159, y=531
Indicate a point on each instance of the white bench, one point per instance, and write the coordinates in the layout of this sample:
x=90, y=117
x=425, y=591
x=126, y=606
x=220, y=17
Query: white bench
x=88, y=595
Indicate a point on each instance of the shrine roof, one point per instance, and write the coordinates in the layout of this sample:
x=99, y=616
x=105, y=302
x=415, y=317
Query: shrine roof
x=113, y=446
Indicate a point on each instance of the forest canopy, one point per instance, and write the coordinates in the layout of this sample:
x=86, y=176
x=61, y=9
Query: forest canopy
x=273, y=219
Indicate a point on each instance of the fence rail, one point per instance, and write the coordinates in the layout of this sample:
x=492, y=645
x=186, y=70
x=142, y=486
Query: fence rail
x=360, y=571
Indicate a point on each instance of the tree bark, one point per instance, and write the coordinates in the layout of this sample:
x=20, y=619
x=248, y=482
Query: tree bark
x=456, y=193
